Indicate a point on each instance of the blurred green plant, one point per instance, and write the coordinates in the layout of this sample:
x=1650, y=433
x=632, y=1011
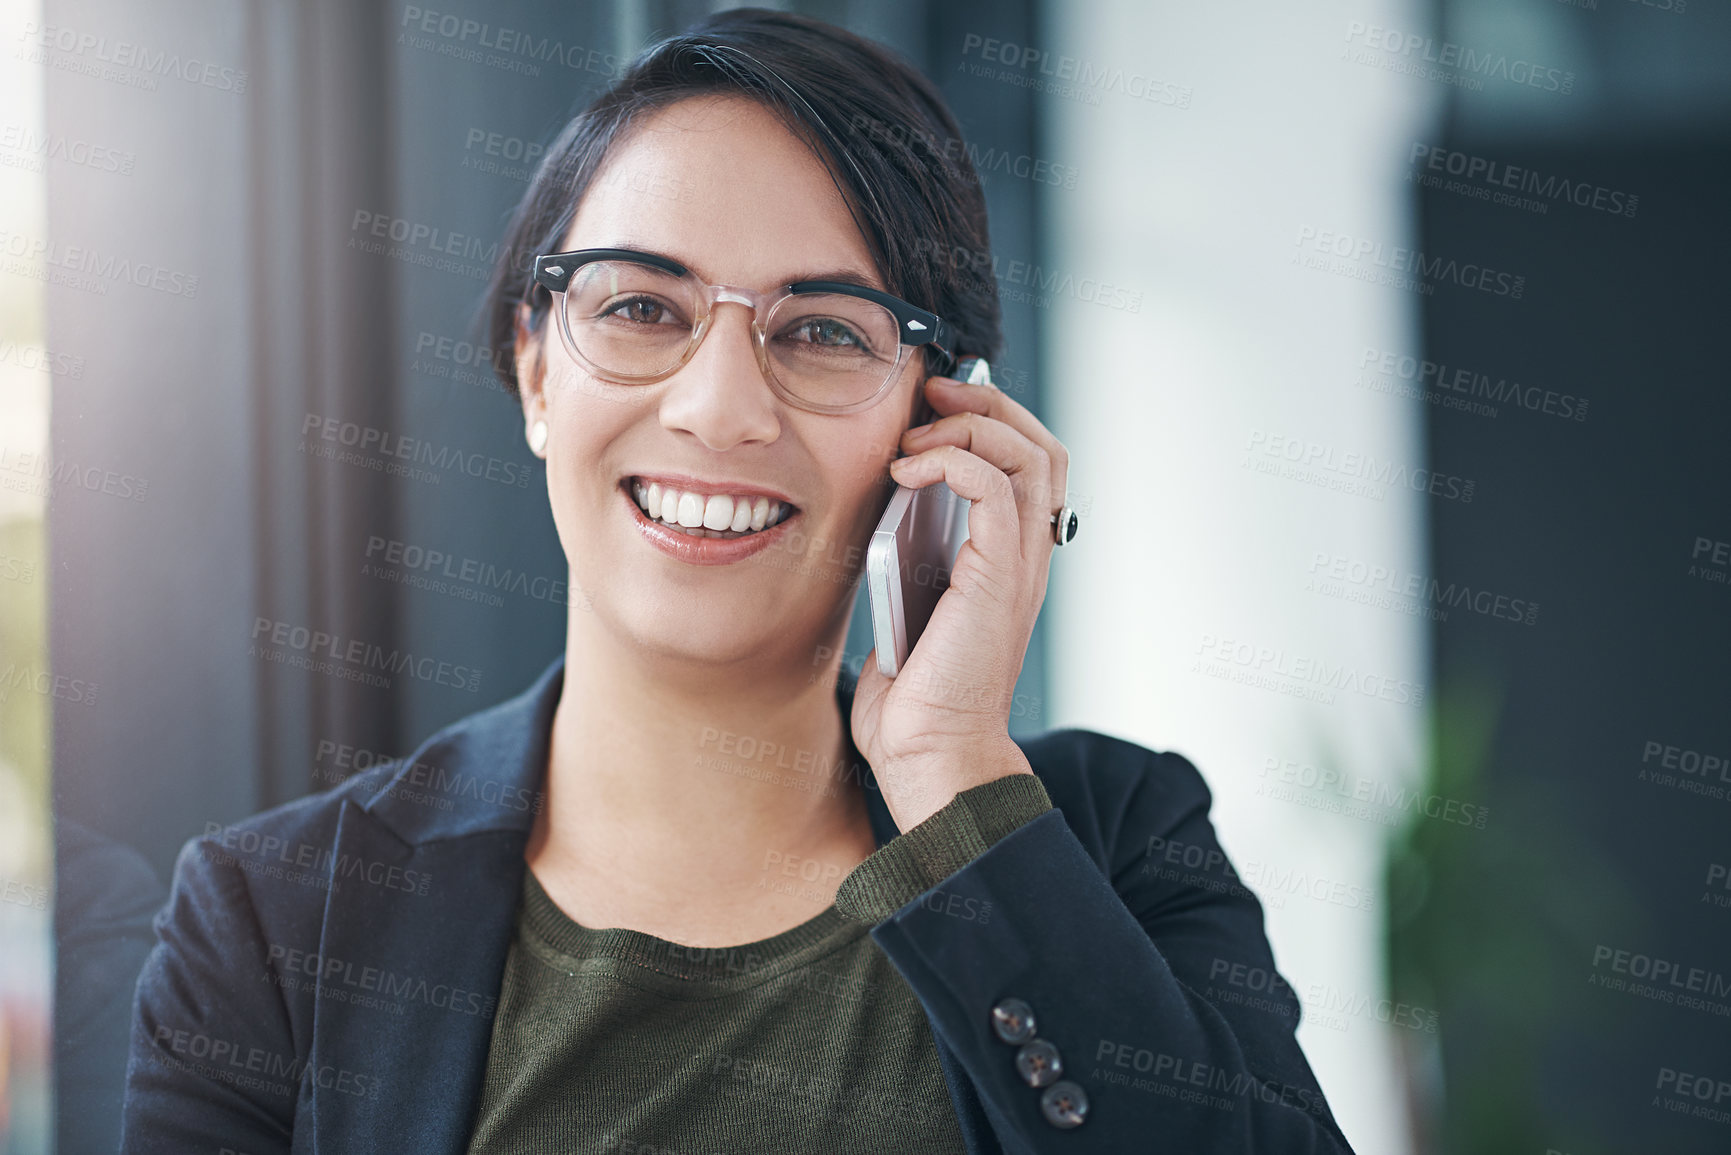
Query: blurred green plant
x=1494, y=930
x=24, y=716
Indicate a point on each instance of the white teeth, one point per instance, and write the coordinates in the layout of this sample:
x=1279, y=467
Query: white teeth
x=690, y=512
x=707, y=515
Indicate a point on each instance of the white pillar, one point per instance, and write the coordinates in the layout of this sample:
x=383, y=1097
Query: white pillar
x=1190, y=573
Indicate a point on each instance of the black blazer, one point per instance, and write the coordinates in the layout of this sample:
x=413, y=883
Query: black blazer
x=326, y=972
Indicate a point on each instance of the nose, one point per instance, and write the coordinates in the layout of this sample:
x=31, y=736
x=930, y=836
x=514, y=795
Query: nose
x=720, y=396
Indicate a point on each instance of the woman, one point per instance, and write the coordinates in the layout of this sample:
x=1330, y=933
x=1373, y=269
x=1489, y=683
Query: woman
x=695, y=890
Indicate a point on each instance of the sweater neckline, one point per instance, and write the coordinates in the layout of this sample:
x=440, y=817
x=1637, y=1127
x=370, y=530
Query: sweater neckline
x=730, y=967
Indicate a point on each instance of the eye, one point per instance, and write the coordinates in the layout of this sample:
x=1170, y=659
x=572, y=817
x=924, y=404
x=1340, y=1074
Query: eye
x=828, y=332
x=640, y=311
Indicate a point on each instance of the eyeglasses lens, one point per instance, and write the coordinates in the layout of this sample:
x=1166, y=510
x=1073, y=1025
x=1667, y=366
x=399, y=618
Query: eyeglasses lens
x=635, y=320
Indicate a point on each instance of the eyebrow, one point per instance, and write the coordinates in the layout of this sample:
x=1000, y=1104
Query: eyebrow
x=847, y=275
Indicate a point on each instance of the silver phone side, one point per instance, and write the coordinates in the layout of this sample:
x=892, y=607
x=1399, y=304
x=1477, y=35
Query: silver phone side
x=910, y=554
x=883, y=584
x=908, y=567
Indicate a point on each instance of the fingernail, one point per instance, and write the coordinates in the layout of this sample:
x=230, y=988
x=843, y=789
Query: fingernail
x=919, y=429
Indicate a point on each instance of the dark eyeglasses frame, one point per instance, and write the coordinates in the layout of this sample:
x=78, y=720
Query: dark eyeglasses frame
x=916, y=327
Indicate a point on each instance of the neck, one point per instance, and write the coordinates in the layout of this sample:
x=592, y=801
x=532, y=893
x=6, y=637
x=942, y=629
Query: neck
x=673, y=782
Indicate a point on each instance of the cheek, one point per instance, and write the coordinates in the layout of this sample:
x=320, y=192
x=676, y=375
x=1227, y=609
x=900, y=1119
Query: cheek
x=862, y=479
x=581, y=426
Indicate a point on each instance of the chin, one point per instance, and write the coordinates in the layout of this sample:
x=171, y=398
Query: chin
x=675, y=625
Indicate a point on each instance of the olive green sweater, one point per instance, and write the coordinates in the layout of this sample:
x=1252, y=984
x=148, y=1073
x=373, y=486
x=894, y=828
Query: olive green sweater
x=809, y=1041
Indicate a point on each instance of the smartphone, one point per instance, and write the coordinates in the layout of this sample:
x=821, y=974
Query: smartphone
x=911, y=552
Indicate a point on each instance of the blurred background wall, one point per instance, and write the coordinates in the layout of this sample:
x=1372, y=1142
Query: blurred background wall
x=1383, y=336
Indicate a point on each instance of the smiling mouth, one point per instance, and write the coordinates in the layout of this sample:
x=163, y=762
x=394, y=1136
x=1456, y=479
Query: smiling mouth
x=696, y=514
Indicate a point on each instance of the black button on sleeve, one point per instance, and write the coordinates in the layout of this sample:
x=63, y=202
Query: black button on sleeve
x=1039, y=1063
x=1013, y=1021
x=1064, y=1104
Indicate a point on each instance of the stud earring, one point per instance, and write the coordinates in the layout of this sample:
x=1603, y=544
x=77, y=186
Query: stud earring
x=538, y=437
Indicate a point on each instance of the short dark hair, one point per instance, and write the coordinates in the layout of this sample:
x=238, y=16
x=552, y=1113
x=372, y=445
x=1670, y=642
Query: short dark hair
x=879, y=127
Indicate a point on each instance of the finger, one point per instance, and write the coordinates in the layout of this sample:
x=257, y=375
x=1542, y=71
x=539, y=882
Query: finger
x=1027, y=465
x=947, y=396
x=994, y=520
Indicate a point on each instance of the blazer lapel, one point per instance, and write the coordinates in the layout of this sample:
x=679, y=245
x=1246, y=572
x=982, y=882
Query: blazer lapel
x=408, y=986
x=417, y=927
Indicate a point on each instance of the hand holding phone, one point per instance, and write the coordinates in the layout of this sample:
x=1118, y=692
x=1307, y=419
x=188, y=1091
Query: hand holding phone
x=908, y=561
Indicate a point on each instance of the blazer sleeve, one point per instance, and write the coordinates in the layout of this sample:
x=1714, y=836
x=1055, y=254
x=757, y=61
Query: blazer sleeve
x=1121, y=963
x=213, y=1063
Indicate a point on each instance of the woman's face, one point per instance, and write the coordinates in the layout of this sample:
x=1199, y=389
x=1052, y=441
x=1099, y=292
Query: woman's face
x=721, y=186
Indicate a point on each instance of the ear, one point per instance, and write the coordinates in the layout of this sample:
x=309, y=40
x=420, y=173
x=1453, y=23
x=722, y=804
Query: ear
x=922, y=414
x=531, y=363
x=921, y=411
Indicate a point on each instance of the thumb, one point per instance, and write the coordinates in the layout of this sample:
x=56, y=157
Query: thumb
x=869, y=689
